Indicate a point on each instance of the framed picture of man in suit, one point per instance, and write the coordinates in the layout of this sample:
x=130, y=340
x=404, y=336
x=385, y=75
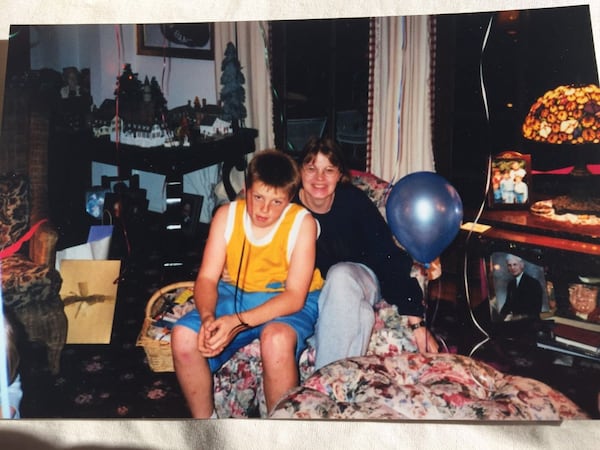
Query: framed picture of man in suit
x=518, y=288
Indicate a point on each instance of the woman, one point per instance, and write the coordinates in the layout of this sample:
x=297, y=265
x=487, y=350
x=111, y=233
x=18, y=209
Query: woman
x=358, y=258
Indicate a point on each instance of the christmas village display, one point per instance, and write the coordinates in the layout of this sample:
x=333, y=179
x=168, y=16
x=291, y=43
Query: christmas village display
x=138, y=115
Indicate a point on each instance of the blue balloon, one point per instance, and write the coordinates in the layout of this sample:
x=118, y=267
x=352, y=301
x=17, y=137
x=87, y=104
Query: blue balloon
x=424, y=212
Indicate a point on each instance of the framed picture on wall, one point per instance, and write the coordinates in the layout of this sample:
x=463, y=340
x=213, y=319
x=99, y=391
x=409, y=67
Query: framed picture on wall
x=114, y=184
x=510, y=186
x=94, y=200
x=176, y=40
x=191, y=205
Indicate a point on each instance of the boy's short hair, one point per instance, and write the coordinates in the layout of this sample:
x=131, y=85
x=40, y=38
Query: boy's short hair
x=276, y=169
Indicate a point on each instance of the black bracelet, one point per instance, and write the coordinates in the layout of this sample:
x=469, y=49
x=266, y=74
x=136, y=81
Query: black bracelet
x=414, y=326
x=242, y=323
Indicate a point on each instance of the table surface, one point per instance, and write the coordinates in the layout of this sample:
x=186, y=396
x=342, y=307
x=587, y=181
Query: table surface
x=526, y=227
x=175, y=160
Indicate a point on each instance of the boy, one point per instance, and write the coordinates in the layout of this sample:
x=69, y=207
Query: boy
x=257, y=280
x=521, y=190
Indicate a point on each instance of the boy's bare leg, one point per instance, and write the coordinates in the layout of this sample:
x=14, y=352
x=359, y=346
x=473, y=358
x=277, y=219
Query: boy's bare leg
x=280, y=372
x=193, y=373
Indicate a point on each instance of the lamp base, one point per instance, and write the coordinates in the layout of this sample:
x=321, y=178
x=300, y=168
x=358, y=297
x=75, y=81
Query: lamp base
x=583, y=185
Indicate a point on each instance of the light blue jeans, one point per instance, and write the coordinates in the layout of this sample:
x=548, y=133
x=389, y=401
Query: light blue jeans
x=15, y=395
x=346, y=316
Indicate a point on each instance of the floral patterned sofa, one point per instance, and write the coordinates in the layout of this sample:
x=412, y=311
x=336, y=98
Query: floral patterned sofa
x=238, y=384
x=422, y=386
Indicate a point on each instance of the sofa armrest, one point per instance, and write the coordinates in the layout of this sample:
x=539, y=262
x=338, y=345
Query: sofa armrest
x=42, y=246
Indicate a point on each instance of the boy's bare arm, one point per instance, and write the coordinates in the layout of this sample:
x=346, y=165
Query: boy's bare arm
x=302, y=266
x=211, y=268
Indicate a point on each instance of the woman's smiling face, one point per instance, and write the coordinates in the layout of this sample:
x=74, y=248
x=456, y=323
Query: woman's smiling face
x=320, y=177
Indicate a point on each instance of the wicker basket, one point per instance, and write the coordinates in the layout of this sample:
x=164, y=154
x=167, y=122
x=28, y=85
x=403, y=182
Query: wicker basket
x=158, y=352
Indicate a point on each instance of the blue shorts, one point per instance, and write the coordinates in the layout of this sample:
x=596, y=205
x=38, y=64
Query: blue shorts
x=303, y=321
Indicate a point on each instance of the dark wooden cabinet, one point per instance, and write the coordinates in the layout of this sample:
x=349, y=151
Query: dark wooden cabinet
x=72, y=153
x=566, y=251
x=174, y=162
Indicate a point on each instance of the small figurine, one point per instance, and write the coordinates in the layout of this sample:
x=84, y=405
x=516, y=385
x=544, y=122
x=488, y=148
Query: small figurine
x=71, y=83
x=147, y=96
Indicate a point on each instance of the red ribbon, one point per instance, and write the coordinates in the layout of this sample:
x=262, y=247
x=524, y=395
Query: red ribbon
x=12, y=249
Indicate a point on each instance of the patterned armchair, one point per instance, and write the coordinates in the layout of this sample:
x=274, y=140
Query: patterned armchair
x=30, y=284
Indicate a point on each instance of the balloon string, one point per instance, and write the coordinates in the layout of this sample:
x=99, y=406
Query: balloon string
x=482, y=205
x=481, y=80
x=166, y=69
x=117, y=103
x=430, y=319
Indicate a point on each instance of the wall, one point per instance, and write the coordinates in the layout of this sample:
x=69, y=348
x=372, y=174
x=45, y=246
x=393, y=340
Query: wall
x=96, y=46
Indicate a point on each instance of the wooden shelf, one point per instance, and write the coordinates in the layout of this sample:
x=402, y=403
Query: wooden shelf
x=174, y=162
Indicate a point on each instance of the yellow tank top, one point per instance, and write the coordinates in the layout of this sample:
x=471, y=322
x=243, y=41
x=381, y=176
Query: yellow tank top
x=263, y=264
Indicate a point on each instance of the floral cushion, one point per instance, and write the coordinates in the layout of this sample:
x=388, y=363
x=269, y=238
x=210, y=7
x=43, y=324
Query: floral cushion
x=238, y=385
x=425, y=387
x=376, y=189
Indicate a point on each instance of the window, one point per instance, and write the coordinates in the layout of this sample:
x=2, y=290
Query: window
x=320, y=68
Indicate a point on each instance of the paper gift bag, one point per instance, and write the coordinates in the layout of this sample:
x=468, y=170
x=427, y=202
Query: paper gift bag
x=89, y=292
x=96, y=247
x=99, y=239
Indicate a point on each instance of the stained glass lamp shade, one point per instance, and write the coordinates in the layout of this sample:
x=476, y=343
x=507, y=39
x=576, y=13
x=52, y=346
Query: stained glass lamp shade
x=568, y=118
x=566, y=115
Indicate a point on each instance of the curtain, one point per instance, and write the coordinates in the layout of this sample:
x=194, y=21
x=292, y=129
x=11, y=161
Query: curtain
x=400, y=134
x=250, y=39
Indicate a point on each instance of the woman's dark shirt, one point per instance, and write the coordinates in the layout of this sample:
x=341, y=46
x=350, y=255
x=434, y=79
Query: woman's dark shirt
x=354, y=230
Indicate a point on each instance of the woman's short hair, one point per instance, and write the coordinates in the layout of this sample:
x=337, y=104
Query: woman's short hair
x=331, y=150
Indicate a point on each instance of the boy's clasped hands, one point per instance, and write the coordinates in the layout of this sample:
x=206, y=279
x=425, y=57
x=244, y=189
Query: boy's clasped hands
x=216, y=334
